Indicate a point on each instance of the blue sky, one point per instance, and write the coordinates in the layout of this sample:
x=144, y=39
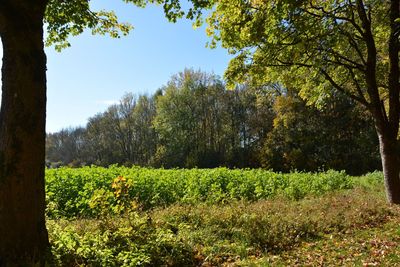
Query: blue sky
x=97, y=70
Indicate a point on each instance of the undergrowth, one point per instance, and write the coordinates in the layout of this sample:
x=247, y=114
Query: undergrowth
x=314, y=230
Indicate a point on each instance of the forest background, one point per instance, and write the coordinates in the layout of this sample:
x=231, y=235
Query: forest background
x=195, y=121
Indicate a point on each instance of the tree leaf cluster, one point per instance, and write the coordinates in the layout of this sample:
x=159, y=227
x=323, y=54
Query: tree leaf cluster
x=64, y=19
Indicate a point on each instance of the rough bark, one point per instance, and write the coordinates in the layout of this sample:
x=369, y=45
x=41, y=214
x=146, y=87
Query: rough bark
x=23, y=234
x=391, y=167
x=388, y=128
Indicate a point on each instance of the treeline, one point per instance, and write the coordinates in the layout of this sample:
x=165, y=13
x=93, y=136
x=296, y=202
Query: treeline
x=194, y=121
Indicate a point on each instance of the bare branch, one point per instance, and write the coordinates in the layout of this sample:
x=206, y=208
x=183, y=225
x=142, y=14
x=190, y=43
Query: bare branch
x=372, y=86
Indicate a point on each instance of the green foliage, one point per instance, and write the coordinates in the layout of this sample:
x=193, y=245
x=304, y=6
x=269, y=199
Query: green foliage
x=94, y=191
x=337, y=136
x=201, y=124
x=302, y=43
x=237, y=233
x=70, y=18
x=370, y=180
x=129, y=241
x=194, y=121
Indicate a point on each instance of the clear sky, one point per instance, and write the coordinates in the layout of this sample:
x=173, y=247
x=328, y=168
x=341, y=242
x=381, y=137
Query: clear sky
x=97, y=70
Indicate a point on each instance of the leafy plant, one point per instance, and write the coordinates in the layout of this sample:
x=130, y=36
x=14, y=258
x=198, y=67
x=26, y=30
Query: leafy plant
x=93, y=191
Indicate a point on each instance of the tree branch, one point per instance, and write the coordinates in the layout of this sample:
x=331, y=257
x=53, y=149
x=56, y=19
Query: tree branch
x=331, y=15
x=358, y=87
x=350, y=63
x=353, y=43
x=372, y=87
x=342, y=90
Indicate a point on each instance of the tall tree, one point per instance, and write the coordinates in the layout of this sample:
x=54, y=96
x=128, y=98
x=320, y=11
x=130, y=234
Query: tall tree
x=22, y=134
x=23, y=110
x=351, y=46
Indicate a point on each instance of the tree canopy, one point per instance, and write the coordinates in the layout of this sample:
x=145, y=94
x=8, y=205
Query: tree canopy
x=313, y=44
x=322, y=47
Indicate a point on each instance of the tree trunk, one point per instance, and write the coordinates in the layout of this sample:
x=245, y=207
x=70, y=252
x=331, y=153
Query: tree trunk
x=23, y=234
x=388, y=147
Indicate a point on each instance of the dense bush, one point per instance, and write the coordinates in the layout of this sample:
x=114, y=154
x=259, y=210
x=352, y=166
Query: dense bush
x=131, y=240
x=91, y=191
x=217, y=234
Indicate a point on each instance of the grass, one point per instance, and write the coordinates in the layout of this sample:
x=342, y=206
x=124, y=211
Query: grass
x=353, y=227
x=377, y=245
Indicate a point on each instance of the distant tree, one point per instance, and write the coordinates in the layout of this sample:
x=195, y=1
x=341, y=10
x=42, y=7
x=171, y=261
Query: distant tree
x=101, y=141
x=121, y=122
x=247, y=121
x=122, y=134
x=201, y=124
x=337, y=136
x=66, y=146
x=146, y=137
x=126, y=131
x=182, y=120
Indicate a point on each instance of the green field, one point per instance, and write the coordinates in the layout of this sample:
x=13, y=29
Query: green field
x=218, y=217
x=76, y=192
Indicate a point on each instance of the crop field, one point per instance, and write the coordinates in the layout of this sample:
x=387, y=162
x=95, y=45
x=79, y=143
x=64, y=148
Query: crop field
x=122, y=216
x=78, y=192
